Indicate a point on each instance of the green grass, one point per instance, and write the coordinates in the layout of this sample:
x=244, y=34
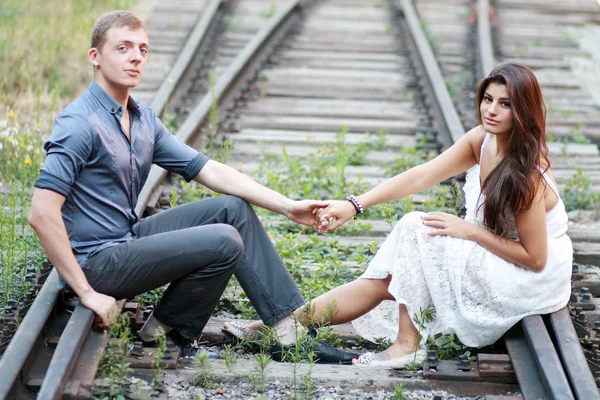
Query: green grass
x=21, y=158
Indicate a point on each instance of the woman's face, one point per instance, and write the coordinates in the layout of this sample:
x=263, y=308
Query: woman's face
x=495, y=109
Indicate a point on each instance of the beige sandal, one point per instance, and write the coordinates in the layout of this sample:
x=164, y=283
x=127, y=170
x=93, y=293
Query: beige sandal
x=368, y=360
x=239, y=331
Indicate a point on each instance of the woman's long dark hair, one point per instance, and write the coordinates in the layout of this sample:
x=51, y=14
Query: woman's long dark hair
x=510, y=187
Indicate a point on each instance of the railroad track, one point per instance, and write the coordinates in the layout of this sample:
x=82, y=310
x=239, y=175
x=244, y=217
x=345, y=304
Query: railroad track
x=346, y=63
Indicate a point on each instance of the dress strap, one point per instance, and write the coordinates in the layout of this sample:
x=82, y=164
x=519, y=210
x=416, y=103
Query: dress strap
x=485, y=141
x=550, y=183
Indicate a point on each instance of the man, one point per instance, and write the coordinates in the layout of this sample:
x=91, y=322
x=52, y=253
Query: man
x=98, y=158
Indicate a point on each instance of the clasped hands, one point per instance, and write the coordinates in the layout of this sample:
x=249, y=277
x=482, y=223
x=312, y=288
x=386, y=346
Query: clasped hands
x=338, y=212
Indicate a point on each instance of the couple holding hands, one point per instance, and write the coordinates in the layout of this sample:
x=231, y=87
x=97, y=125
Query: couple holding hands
x=510, y=257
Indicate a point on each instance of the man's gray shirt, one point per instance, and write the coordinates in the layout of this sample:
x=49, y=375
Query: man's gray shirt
x=100, y=172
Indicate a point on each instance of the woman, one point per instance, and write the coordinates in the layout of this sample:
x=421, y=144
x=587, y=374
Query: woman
x=509, y=258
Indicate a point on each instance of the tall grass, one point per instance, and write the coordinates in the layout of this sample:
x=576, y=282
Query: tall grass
x=43, y=52
x=21, y=158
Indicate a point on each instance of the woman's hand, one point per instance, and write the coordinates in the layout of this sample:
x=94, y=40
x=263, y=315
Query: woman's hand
x=448, y=225
x=336, y=214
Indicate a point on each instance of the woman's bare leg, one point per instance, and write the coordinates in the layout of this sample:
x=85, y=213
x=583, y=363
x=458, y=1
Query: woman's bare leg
x=342, y=304
x=406, y=342
x=345, y=303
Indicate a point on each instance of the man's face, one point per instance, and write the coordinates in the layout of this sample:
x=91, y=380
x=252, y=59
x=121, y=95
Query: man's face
x=122, y=59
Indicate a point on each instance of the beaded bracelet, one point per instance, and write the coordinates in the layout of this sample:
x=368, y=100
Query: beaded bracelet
x=356, y=203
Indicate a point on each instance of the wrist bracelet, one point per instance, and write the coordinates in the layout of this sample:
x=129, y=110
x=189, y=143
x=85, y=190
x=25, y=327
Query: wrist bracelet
x=356, y=203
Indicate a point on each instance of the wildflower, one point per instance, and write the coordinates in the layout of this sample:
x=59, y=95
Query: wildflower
x=9, y=139
x=39, y=124
x=29, y=148
x=1, y=147
x=36, y=152
x=27, y=161
x=10, y=114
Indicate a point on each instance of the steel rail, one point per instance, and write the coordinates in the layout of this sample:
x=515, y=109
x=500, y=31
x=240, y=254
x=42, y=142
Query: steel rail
x=484, y=38
x=181, y=67
x=225, y=89
x=22, y=345
x=573, y=360
x=444, y=103
x=65, y=355
x=547, y=361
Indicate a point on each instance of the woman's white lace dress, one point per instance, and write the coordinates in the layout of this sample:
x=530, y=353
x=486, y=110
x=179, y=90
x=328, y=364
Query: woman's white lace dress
x=476, y=295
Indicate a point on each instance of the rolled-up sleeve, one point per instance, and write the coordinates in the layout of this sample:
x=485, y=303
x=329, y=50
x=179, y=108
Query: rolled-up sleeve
x=175, y=156
x=67, y=151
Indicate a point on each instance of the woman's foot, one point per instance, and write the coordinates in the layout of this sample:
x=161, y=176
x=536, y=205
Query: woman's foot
x=393, y=357
x=241, y=331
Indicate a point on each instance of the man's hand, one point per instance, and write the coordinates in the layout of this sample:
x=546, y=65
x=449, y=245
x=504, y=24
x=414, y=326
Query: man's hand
x=448, y=225
x=304, y=211
x=105, y=307
x=338, y=211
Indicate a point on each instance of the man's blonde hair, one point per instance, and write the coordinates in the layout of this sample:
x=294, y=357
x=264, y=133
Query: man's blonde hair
x=117, y=19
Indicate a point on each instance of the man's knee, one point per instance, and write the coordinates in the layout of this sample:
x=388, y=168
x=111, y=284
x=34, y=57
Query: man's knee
x=230, y=242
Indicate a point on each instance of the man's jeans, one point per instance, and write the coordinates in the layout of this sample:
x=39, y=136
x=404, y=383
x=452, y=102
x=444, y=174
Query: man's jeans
x=196, y=247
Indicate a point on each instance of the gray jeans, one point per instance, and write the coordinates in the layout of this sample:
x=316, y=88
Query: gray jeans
x=196, y=247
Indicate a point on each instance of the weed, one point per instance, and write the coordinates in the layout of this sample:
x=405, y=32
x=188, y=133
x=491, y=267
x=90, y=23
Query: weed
x=378, y=140
x=399, y=392
x=151, y=297
x=307, y=379
x=161, y=349
x=170, y=122
x=578, y=193
x=409, y=157
x=113, y=366
x=202, y=375
x=576, y=136
x=229, y=358
x=174, y=198
x=261, y=370
x=382, y=343
x=421, y=319
x=445, y=198
x=270, y=12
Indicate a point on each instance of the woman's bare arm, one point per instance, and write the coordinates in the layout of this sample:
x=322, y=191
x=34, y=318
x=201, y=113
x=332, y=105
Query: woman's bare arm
x=458, y=158
x=531, y=252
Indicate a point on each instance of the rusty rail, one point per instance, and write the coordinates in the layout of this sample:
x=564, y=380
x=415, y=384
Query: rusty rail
x=27, y=342
x=182, y=66
x=444, y=106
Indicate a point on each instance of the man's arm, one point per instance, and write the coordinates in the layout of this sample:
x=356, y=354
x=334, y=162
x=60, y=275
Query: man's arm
x=175, y=156
x=46, y=219
x=224, y=179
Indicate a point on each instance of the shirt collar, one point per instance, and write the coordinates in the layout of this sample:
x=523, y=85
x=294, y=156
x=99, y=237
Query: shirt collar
x=111, y=104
